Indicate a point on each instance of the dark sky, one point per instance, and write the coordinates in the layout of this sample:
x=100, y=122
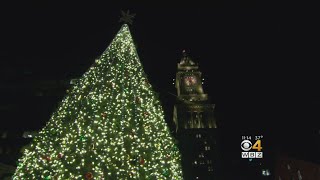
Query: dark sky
x=255, y=58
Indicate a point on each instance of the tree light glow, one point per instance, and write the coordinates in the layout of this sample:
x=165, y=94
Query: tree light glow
x=110, y=125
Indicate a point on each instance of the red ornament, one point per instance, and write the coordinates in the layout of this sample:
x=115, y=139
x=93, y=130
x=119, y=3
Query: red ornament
x=60, y=155
x=141, y=160
x=89, y=175
x=46, y=158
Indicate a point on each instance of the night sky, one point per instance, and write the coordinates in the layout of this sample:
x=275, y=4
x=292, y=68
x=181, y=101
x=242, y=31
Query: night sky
x=255, y=58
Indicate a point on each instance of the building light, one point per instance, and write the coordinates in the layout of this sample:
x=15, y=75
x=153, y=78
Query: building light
x=4, y=135
x=28, y=134
x=266, y=172
x=299, y=175
x=73, y=81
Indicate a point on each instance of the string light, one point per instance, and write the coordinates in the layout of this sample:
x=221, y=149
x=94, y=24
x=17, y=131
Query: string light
x=101, y=131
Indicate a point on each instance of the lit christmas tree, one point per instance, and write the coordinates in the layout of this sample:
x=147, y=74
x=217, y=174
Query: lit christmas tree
x=110, y=125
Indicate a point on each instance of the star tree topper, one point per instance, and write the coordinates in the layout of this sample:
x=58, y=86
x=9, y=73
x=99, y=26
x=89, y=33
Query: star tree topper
x=126, y=17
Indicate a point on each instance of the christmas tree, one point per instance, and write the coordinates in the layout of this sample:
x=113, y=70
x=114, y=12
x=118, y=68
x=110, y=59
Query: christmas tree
x=110, y=125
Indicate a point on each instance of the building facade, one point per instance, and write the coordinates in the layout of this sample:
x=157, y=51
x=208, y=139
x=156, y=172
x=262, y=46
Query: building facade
x=196, y=128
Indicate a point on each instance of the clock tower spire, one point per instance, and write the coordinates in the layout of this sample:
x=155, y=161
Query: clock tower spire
x=196, y=127
x=190, y=96
x=188, y=77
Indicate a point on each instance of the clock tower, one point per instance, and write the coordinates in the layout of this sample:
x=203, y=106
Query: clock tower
x=196, y=128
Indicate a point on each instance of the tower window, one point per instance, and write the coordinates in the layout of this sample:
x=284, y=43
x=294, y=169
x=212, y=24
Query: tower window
x=288, y=166
x=207, y=148
x=210, y=168
x=201, y=155
x=266, y=172
x=299, y=175
x=198, y=135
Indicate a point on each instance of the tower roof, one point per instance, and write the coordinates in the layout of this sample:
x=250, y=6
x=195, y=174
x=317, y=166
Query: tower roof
x=186, y=62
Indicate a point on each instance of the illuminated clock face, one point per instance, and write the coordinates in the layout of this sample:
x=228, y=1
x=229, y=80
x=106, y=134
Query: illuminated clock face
x=190, y=80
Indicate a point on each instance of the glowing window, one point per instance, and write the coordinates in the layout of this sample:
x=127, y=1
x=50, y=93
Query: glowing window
x=266, y=172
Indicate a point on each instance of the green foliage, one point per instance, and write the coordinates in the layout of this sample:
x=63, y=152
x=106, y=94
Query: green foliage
x=110, y=125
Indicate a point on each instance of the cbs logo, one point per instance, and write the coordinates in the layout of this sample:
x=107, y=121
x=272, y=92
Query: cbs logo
x=246, y=145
